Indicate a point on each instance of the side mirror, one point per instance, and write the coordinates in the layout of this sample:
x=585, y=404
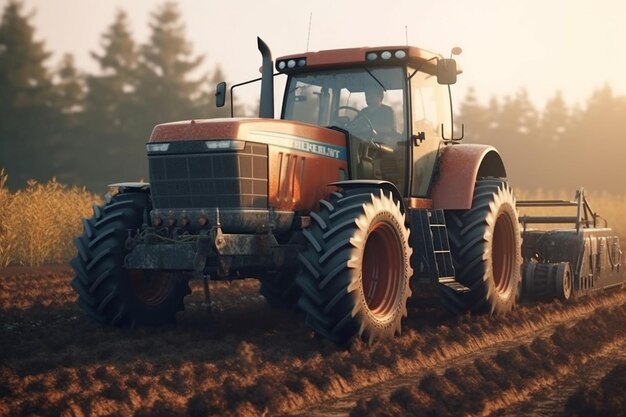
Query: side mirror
x=446, y=71
x=220, y=94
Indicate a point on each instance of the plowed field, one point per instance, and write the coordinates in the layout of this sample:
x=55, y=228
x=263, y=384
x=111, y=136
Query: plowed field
x=246, y=359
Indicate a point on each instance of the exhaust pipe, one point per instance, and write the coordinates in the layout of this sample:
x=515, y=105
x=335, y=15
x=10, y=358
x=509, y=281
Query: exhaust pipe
x=266, y=107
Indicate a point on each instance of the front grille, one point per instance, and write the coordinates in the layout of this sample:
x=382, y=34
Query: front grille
x=210, y=179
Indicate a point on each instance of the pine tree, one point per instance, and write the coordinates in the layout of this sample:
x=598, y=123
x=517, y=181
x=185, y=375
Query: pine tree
x=474, y=117
x=110, y=120
x=66, y=137
x=27, y=113
x=597, y=131
x=111, y=92
x=166, y=90
x=555, y=119
x=517, y=127
x=550, y=148
x=519, y=116
x=70, y=91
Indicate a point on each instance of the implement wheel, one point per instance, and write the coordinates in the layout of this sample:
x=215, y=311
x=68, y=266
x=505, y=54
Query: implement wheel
x=110, y=293
x=564, y=281
x=355, y=270
x=485, y=242
x=547, y=281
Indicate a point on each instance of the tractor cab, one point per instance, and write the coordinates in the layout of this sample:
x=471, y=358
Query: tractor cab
x=391, y=103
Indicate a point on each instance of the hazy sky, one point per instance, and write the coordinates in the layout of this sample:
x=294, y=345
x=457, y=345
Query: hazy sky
x=575, y=46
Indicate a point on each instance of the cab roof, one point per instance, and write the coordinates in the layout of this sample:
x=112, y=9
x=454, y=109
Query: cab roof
x=370, y=56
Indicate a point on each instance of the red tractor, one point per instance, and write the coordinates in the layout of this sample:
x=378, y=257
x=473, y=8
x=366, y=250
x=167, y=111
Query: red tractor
x=356, y=197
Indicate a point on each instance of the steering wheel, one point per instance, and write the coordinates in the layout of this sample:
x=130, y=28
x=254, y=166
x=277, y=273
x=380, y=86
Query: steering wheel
x=360, y=123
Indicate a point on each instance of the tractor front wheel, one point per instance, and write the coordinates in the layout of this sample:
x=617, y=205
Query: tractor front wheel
x=355, y=270
x=108, y=292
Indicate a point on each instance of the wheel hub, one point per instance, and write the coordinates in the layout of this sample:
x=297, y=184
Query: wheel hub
x=151, y=287
x=382, y=270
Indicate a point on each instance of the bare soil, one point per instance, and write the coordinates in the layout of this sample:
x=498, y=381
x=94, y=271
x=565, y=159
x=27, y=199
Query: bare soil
x=246, y=359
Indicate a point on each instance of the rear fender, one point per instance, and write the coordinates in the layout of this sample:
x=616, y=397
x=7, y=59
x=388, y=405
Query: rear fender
x=459, y=167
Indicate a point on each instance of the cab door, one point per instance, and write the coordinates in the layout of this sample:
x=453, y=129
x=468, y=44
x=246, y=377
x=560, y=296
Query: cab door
x=430, y=108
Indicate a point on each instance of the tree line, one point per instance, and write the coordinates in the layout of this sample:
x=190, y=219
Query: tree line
x=90, y=129
x=557, y=148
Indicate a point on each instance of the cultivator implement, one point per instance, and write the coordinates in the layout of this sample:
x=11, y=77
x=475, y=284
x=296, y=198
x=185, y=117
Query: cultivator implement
x=582, y=256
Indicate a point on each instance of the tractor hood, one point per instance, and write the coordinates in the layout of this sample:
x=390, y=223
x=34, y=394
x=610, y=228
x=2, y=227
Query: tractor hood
x=282, y=133
x=249, y=163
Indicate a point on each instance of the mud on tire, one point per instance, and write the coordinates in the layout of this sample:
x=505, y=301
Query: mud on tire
x=108, y=292
x=355, y=270
x=485, y=242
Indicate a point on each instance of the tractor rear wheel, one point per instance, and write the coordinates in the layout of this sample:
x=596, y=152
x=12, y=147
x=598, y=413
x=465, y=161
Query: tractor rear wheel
x=355, y=270
x=485, y=242
x=110, y=293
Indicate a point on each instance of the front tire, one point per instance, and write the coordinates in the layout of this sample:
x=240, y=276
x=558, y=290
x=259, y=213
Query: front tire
x=109, y=293
x=355, y=270
x=485, y=242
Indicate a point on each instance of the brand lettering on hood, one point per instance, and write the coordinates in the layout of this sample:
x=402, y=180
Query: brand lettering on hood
x=299, y=143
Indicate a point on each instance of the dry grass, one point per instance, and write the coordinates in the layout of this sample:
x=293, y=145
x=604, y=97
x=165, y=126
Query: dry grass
x=38, y=223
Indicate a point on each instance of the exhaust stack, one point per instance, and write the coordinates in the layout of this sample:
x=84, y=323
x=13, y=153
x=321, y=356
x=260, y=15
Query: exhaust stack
x=266, y=107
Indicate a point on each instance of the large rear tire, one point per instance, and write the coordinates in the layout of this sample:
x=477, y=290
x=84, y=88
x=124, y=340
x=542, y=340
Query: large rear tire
x=485, y=242
x=355, y=270
x=109, y=293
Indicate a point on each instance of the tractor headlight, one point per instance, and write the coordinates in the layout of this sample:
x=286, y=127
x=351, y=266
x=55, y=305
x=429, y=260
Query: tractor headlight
x=400, y=54
x=157, y=147
x=225, y=145
x=291, y=64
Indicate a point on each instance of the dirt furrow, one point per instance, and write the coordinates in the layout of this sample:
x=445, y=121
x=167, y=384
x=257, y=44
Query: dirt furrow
x=342, y=405
x=487, y=385
x=551, y=400
x=244, y=359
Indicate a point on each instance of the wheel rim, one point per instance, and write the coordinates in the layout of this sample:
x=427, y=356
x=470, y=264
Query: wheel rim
x=382, y=270
x=503, y=250
x=567, y=284
x=151, y=288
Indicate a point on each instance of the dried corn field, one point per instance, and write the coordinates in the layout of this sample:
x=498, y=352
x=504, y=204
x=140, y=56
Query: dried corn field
x=39, y=222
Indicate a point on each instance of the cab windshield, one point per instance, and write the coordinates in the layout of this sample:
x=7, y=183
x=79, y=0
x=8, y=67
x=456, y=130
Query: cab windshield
x=369, y=103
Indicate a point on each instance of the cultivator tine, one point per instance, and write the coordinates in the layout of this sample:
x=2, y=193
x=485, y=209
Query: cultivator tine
x=207, y=293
